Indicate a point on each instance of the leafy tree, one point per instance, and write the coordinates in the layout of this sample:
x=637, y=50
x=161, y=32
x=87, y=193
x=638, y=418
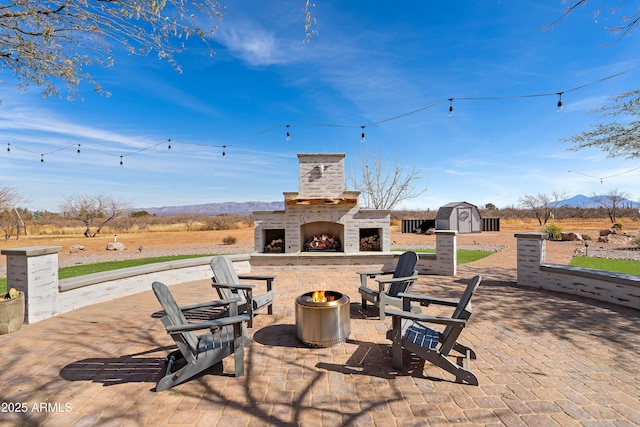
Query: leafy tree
x=617, y=139
x=542, y=205
x=490, y=206
x=48, y=42
x=93, y=211
x=384, y=185
x=612, y=202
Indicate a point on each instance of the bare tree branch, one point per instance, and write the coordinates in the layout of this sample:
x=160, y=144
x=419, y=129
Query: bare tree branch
x=386, y=185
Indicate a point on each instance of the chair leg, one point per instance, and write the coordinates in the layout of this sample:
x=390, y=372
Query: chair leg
x=460, y=372
x=396, y=346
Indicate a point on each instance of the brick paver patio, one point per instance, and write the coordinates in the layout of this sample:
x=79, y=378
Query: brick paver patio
x=543, y=359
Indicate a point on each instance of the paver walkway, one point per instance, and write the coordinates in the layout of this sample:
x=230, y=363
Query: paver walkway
x=543, y=359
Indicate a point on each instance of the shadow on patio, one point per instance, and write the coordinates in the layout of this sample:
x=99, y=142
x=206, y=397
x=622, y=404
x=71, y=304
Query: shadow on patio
x=543, y=358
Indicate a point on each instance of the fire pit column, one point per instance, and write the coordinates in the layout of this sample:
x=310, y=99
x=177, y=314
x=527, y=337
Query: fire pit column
x=323, y=323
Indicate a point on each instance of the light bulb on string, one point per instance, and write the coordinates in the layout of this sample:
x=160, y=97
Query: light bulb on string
x=169, y=146
x=121, y=162
x=288, y=133
x=362, y=138
x=224, y=153
x=8, y=147
x=41, y=158
x=559, y=102
x=78, y=150
x=450, y=107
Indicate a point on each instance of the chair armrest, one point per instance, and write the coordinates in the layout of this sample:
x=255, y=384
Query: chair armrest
x=216, y=303
x=427, y=319
x=268, y=279
x=255, y=277
x=232, y=286
x=426, y=300
x=397, y=279
x=373, y=274
x=211, y=324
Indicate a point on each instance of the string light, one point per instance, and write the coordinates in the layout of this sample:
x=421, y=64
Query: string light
x=559, y=101
x=363, y=138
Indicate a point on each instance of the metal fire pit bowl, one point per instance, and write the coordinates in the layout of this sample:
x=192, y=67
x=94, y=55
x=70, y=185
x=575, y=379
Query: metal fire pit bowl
x=323, y=324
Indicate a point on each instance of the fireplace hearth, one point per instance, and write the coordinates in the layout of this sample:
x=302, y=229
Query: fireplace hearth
x=323, y=216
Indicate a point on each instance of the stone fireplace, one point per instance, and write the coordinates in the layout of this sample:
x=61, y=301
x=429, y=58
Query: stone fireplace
x=320, y=214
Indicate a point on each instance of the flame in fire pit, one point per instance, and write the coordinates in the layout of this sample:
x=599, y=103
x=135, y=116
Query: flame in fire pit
x=321, y=296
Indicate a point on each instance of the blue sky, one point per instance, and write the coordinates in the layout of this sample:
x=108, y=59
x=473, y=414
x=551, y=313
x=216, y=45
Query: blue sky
x=369, y=62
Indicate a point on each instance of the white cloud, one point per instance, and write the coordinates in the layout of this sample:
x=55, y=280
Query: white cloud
x=252, y=44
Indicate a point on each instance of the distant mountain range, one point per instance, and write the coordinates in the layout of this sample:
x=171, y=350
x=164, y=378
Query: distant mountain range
x=210, y=209
x=582, y=201
x=246, y=208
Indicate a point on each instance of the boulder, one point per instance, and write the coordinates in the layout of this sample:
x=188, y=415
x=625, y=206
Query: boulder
x=116, y=246
x=570, y=237
x=74, y=249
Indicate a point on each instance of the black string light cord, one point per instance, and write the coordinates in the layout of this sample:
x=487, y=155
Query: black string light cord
x=288, y=126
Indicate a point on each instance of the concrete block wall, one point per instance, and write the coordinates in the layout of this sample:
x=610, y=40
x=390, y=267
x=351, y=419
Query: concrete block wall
x=616, y=288
x=34, y=271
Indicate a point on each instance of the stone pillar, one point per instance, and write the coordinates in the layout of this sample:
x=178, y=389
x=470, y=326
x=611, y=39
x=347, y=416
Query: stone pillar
x=531, y=253
x=446, y=256
x=34, y=271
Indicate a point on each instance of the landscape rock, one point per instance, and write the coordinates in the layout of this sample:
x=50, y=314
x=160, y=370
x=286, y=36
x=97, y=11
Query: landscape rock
x=571, y=237
x=74, y=249
x=608, y=231
x=116, y=246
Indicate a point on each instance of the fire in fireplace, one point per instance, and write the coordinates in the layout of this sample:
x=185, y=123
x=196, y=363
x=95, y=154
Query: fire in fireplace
x=322, y=242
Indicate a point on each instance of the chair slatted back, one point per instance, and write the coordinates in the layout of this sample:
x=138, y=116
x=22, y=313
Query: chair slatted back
x=223, y=272
x=463, y=312
x=174, y=315
x=406, y=268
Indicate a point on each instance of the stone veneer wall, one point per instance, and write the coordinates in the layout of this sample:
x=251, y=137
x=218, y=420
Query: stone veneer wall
x=616, y=288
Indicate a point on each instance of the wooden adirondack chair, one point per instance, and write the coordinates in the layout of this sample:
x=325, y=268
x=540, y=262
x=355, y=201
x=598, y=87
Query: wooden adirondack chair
x=403, y=277
x=227, y=335
x=227, y=283
x=410, y=332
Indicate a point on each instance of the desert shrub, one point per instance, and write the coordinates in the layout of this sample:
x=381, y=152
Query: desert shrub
x=617, y=226
x=636, y=241
x=553, y=230
x=229, y=240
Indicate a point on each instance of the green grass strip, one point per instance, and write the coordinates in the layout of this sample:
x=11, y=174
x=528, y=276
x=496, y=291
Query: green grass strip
x=463, y=255
x=615, y=265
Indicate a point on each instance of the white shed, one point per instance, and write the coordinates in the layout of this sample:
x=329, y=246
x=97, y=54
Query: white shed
x=461, y=216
